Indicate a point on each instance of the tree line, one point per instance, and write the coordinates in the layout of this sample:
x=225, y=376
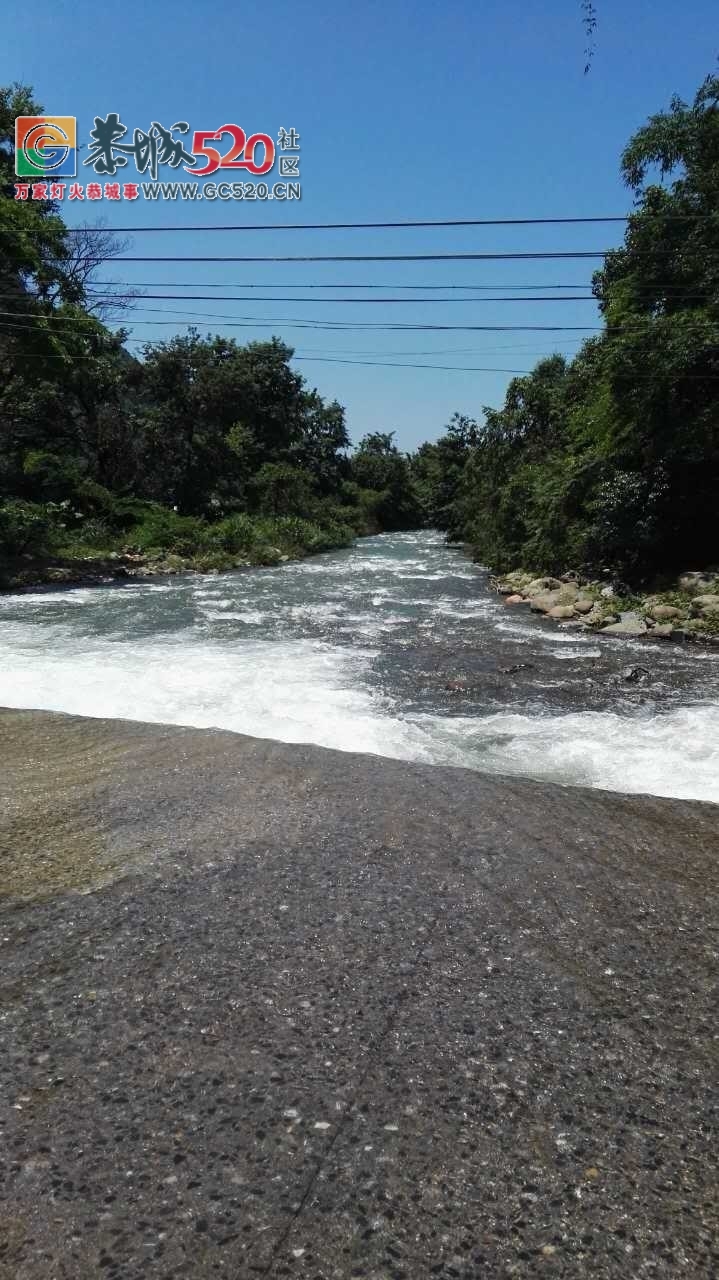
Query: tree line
x=611, y=459
x=201, y=447
x=206, y=448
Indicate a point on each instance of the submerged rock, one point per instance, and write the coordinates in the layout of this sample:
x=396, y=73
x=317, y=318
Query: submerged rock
x=635, y=675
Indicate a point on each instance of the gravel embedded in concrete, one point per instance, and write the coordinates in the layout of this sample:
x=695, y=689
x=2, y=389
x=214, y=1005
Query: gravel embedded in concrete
x=275, y=1010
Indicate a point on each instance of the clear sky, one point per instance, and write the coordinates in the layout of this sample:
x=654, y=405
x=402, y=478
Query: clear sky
x=465, y=109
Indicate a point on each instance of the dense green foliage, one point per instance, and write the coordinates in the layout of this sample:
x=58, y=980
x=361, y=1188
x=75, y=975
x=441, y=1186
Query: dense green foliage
x=202, y=448
x=208, y=450
x=612, y=459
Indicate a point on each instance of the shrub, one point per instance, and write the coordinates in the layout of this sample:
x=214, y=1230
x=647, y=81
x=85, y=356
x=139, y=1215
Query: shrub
x=164, y=530
x=233, y=534
x=50, y=477
x=94, y=534
x=27, y=527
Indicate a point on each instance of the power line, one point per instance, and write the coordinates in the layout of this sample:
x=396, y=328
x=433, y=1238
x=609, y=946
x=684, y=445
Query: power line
x=442, y=351
x=209, y=297
x=506, y=256
x=392, y=365
x=265, y=322
x=383, y=257
x=207, y=284
x=401, y=225
x=107, y=285
x=351, y=226
x=447, y=351
x=328, y=360
x=223, y=318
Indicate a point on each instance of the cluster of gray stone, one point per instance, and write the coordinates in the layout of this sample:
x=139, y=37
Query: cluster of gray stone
x=693, y=611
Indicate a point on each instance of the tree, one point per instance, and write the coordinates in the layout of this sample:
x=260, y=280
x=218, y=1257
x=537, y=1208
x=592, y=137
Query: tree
x=613, y=459
x=438, y=469
x=321, y=448
x=377, y=464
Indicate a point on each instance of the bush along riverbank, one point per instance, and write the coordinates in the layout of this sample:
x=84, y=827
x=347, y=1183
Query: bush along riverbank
x=688, y=610
x=610, y=459
x=163, y=543
x=197, y=453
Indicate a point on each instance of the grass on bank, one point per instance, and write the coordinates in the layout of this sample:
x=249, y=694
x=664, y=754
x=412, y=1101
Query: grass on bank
x=35, y=536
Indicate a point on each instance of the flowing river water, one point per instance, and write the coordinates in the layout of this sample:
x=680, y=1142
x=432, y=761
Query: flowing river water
x=396, y=646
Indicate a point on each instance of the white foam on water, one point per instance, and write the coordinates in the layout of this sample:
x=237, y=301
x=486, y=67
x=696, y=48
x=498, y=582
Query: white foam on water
x=676, y=754
x=461, y=609
x=251, y=617
x=296, y=691
x=304, y=691
x=442, y=576
x=127, y=656
x=576, y=652
x=514, y=624
x=47, y=599
x=220, y=602
x=326, y=611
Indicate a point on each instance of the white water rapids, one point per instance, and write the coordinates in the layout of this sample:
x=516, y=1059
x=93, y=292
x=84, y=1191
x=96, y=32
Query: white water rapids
x=355, y=650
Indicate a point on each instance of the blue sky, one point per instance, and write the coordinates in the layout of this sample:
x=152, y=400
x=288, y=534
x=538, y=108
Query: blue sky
x=405, y=111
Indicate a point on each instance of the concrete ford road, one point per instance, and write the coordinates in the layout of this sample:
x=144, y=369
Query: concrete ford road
x=285, y=1011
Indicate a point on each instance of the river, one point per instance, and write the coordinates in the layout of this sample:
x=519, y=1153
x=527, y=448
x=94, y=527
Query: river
x=396, y=646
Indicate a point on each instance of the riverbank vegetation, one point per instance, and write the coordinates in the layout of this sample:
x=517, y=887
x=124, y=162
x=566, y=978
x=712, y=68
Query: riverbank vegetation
x=204, y=453
x=201, y=452
x=609, y=462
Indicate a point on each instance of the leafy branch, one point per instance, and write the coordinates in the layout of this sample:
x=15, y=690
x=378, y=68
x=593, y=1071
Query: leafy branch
x=589, y=22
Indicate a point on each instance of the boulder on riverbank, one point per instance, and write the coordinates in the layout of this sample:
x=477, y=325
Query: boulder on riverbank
x=694, y=583
x=706, y=605
x=690, y=613
x=665, y=612
x=630, y=624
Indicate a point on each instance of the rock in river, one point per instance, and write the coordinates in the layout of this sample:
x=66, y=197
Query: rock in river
x=630, y=624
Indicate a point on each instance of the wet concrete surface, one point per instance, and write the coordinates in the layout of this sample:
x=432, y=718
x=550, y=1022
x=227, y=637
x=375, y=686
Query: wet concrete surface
x=283, y=1011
